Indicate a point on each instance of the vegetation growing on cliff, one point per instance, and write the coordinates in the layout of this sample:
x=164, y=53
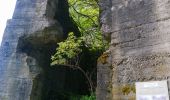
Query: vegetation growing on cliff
x=82, y=52
x=85, y=13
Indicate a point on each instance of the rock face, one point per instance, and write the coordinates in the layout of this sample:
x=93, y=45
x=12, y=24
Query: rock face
x=28, y=42
x=139, y=35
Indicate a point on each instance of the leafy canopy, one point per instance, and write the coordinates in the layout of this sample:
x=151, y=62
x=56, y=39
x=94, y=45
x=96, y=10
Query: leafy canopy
x=85, y=14
x=67, y=50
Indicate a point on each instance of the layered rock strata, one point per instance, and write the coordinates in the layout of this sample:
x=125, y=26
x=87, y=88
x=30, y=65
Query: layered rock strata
x=139, y=33
x=29, y=40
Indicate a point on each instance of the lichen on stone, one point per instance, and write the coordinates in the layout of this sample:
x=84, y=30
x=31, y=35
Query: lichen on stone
x=103, y=58
x=127, y=89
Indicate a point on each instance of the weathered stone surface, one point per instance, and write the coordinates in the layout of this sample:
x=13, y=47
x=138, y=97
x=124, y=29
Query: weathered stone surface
x=104, y=77
x=140, y=49
x=28, y=42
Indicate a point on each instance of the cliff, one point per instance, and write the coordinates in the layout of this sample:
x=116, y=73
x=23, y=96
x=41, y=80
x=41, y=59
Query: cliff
x=29, y=40
x=138, y=31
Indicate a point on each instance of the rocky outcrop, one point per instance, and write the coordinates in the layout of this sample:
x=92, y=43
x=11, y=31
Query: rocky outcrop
x=29, y=40
x=138, y=31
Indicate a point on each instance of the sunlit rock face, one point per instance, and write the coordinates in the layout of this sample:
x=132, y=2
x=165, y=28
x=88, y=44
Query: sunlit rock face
x=139, y=33
x=29, y=41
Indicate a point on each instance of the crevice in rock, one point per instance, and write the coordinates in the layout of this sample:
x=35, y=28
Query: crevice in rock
x=60, y=12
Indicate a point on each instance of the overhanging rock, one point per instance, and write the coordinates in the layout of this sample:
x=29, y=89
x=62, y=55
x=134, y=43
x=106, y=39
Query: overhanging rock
x=29, y=39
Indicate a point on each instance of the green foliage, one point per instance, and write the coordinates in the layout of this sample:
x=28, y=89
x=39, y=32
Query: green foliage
x=83, y=97
x=68, y=49
x=70, y=52
x=86, y=15
x=91, y=97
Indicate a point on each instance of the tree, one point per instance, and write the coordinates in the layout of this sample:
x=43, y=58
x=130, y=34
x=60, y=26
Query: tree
x=86, y=15
x=69, y=53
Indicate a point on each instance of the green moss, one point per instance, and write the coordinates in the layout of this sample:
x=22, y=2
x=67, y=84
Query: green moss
x=109, y=87
x=128, y=89
x=103, y=58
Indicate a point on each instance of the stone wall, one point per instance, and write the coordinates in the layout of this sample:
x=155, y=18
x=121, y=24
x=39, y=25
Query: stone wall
x=138, y=31
x=29, y=40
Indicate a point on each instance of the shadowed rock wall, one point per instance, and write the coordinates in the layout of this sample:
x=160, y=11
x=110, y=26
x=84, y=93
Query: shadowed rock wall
x=139, y=35
x=29, y=40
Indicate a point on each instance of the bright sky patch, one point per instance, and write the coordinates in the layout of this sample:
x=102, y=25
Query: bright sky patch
x=6, y=12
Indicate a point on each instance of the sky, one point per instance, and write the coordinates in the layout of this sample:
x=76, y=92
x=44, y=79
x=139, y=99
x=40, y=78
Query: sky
x=6, y=12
